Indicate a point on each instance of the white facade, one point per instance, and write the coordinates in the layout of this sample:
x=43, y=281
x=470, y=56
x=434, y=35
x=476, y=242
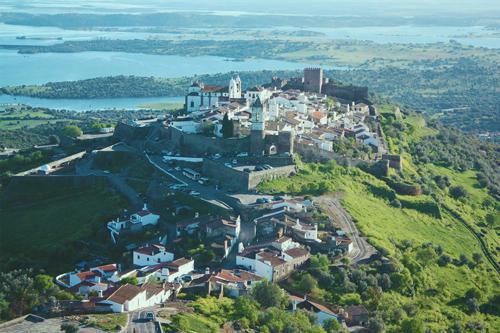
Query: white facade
x=143, y=259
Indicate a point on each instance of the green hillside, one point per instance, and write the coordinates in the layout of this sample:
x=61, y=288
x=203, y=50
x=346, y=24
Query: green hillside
x=42, y=233
x=438, y=242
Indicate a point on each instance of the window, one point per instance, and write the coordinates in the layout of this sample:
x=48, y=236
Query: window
x=158, y=259
x=192, y=104
x=138, y=257
x=147, y=259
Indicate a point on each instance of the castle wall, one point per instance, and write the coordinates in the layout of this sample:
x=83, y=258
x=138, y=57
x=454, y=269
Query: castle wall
x=230, y=178
x=199, y=144
x=314, y=154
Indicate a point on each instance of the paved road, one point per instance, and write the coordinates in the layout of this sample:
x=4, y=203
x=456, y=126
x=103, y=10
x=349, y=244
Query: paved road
x=361, y=248
x=207, y=193
x=137, y=323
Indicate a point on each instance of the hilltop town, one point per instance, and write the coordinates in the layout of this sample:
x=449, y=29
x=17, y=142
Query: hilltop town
x=203, y=212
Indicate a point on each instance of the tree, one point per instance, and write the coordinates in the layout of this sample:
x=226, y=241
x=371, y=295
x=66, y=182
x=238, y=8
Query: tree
x=246, y=308
x=268, y=294
x=376, y=325
x=477, y=257
x=413, y=325
x=458, y=192
x=227, y=127
x=331, y=325
x=130, y=280
x=307, y=283
x=69, y=328
x=72, y=131
x=54, y=139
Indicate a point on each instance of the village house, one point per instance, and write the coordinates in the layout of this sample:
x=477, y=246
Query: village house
x=232, y=283
x=133, y=223
x=322, y=312
x=151, y=255
x=270, y=263
x=128, y=297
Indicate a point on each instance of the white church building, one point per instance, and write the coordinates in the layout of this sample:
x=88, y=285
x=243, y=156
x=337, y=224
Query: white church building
x=201, y=96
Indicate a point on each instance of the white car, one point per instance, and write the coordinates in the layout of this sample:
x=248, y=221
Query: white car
x=194, y=193
x=229, y=165
x=243, y=154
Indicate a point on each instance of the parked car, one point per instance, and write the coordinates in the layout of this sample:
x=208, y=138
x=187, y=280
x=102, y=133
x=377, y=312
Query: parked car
x=229, y=165
x=194, y=193
x=242, y=154
x=235, y=162
x=186, y=278
x=150, y=316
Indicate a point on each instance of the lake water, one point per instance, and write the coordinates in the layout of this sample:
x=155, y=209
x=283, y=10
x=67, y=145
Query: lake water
x=90, y=104
x=17, y=69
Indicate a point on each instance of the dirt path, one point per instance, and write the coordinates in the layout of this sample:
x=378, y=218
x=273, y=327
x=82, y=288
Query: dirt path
x=362, y=250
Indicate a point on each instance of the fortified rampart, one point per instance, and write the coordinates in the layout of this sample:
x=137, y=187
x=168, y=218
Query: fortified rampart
x=310, y=153
x=234, y=179
x=199, y=144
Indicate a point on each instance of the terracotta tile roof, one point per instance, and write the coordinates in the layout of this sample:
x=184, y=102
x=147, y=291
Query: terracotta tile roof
x=87, y=275
x=356, y=310
x=150, y=249
x=213, y=88
x=179, y=262
x=143, y=212
x=124, y=293
x=152, y=289
x=321, y=308
x=237, y=275
x=107, y=268
x=297, y=252
x=318, y=115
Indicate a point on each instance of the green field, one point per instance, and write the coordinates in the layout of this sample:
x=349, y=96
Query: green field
x=388, y=227
x=41, y=232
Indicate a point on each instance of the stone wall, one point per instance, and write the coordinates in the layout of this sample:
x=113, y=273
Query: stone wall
x=230, y=178
x=200, y=144
x=310, y=153
x=257, y=177
x=127, y=133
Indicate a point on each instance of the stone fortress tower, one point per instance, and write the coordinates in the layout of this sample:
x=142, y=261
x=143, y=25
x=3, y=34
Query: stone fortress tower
x=313, y=79
x=258, y=129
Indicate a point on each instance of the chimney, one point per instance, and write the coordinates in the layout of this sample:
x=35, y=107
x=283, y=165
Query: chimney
x=145, y=207
x=99, y=294
x=196, y=215
x=207, y=270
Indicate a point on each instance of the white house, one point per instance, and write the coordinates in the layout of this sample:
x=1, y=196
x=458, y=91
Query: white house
x=134, y=223
x=322, y=312
x=130, y=298
x=172, y=271
x=144, y=217
x=151, y=255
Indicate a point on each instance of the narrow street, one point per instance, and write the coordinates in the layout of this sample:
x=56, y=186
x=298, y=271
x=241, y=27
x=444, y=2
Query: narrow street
x=362, y=250
x=137, y=322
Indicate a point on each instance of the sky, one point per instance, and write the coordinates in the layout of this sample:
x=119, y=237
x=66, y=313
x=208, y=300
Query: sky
x=295, y=7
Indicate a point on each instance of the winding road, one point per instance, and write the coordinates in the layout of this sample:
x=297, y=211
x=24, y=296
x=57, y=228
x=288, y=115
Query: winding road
x=362, y=250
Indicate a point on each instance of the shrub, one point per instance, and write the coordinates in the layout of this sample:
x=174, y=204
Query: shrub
x=458, y=192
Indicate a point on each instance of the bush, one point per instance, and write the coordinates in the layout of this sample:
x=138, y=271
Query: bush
x=458, y=192
x=396, y=203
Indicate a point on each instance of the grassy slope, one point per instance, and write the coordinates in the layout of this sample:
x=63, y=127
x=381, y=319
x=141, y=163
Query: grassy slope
x=33, y=230
x=386, y=226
